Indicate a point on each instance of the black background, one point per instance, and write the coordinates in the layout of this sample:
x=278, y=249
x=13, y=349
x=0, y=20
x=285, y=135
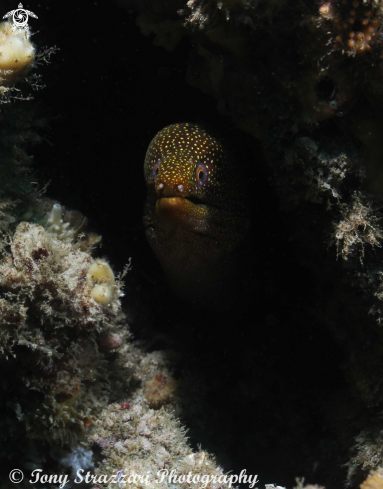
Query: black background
x=112, y=91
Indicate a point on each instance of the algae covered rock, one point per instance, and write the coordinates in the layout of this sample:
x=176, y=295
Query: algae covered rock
x=50, y=319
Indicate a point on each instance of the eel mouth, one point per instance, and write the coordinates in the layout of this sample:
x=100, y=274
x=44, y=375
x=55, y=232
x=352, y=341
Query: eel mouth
x=181, y=212
x=195, y=201
x=174, y=208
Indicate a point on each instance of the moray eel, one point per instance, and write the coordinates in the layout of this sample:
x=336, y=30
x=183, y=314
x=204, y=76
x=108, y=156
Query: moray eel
x=196, y=214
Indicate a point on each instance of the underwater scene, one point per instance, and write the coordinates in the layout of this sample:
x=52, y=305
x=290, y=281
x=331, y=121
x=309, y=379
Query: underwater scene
x=191, y=262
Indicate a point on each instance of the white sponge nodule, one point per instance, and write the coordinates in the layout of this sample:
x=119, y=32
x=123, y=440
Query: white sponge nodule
x=103, y=294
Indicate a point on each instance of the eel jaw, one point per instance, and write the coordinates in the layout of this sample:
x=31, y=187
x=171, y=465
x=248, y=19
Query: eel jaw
x=184, y=212
x=171, y=208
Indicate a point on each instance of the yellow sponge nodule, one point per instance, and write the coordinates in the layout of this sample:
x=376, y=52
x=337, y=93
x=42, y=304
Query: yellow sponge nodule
x=101, y=278
x=100, y=270
x=16, y=52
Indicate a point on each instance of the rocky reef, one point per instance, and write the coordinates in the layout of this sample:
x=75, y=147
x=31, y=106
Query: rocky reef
x=304, y=80
x=66, y=356
x=293, y=386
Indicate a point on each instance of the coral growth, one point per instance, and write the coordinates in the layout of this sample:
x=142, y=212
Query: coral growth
x=359, y=227
x=368, y=457
x=50, y=318
x=207, y=13
x=354, y=24
x=55, y=224
x=137, y=440
x=63, y=223
x=160, y=390
x=17, y=53
x=18, y=57
x=374, y=481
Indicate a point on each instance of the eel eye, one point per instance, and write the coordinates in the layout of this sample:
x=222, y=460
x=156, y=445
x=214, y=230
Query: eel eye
x=156, y=167
x=201, y=173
